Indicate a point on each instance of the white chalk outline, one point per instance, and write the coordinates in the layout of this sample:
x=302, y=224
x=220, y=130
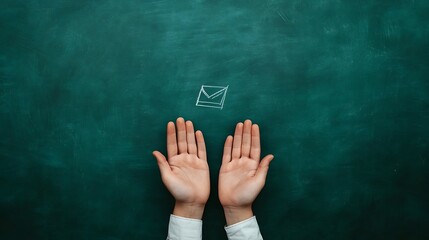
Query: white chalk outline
x=219, y=105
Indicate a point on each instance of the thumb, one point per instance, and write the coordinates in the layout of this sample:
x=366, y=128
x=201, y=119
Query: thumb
x=163, y=165
x=261, y=172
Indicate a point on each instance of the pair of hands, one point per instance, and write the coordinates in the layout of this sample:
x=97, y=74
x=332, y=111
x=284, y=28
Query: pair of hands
x=186, y=172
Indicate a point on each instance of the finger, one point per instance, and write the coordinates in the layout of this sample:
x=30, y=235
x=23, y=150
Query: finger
x=227, y=150
x=181, y=135
x=255, y=151
x=261, y=172
x=236, y=146
x=190, y=138
x=171, y=140
x=163, y=165
x=201, y=145
x=246, y=141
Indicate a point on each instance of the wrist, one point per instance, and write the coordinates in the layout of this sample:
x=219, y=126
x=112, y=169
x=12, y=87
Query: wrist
x=189, y=210
x=237, y=214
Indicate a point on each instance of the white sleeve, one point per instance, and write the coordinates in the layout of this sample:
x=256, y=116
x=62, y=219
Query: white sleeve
x=181, y=228
x=244, y=230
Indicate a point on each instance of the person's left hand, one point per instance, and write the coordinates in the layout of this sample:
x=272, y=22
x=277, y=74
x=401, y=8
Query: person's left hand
x=186, y=173
x=242, y=174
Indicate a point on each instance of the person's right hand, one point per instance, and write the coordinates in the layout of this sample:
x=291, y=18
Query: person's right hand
x=186, y=173
x=242, y=174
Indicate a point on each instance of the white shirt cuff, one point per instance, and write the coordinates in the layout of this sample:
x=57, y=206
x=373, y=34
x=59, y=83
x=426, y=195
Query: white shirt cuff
x=181, y=228
x=245, y=230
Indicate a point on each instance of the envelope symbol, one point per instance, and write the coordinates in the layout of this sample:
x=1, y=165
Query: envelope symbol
x=211, y=96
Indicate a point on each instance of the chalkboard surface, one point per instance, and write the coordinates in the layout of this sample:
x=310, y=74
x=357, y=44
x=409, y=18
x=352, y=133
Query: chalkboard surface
x=340, y=90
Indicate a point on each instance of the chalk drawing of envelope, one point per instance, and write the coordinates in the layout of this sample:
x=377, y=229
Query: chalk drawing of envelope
x=211, y=96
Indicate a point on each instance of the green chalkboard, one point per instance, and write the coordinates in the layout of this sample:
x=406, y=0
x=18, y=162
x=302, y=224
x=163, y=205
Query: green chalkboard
x=340, y=90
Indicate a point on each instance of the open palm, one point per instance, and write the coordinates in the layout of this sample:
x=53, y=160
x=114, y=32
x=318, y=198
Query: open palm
x=242, y=174
x=186, y=173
